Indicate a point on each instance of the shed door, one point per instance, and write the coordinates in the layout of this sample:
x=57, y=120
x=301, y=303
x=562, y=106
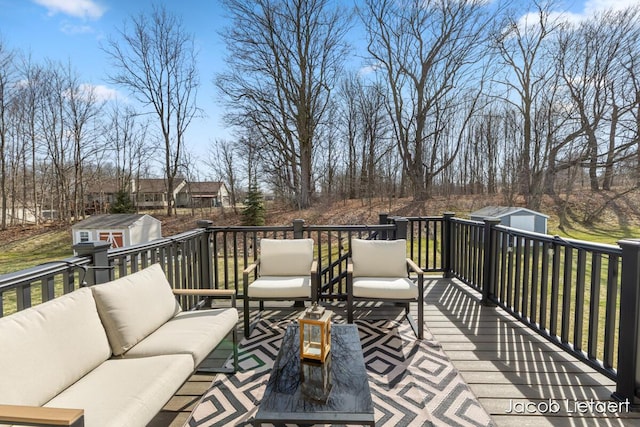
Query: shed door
x=116, y=238
x=524, y=222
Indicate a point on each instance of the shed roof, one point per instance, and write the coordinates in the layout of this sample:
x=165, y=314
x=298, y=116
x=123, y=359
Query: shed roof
x=500, y=211
x=111, y=221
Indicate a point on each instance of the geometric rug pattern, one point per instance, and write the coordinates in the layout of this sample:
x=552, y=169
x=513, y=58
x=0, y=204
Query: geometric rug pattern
x=412, y=382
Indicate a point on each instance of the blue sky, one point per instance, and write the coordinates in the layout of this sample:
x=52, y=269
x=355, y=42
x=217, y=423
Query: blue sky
x=72, y=30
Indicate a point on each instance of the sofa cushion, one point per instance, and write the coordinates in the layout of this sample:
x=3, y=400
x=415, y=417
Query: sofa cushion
x=48, y=347
x=126, y=392
x=385, y=288
x=133, y=306
x=286, y=257
x=191, y=332
x=280, y=287
x=379, y=258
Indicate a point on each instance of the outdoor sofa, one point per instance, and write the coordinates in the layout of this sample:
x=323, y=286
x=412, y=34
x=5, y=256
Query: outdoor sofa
x=112, y=354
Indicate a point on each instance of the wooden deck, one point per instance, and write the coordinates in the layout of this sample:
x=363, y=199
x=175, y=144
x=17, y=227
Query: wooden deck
x=505, y=364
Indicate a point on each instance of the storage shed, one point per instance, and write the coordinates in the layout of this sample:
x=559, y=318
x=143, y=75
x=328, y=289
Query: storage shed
x=118, y=229
x=520, y=218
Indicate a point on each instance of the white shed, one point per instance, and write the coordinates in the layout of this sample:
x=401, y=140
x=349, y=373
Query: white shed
x=118, y=229
x=516, y=217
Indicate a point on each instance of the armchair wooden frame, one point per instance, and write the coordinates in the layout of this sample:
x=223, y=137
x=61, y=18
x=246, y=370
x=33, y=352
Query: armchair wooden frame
x=411, y=267
x=254, y=268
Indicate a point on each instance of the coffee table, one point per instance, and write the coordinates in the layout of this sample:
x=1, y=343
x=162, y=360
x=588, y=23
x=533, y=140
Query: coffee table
x=348, y=402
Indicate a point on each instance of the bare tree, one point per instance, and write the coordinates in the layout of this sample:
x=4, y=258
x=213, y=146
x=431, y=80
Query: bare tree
x=82, y=109
x=6, y=89
x=156, y=61
x=222, y=159
x=285, y=56
x=590, y=61
x=428, y=52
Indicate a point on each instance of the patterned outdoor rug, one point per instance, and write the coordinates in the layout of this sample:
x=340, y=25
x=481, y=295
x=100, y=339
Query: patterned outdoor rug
x=412, y=382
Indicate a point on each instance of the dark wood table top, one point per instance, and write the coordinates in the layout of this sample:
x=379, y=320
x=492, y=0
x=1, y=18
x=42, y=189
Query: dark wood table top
x=349, y=399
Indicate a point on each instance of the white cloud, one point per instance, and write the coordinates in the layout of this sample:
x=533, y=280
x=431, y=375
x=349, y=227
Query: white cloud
x=593, y=6
x=71, y=29
x=75, y=8
x=101, y=92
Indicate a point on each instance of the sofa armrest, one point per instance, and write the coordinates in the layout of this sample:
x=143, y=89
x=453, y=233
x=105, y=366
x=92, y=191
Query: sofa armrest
x=209, y=293
x=38, y=415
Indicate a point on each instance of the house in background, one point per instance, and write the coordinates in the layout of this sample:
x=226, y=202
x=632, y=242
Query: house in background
x=151, y=193
x=118, y=229
x=203, y=195
x=516, y=217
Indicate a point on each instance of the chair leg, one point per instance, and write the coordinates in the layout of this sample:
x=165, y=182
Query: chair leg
x=420, y=318
x=247, y=331
x=349, y=308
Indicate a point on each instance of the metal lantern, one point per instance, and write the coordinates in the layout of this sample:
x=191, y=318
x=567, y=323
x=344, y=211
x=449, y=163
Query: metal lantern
x=315, y=333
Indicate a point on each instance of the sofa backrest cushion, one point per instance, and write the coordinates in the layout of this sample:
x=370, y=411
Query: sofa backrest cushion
x=379, y=258
x=286, y=257
x=134, y=306
x=46, y=348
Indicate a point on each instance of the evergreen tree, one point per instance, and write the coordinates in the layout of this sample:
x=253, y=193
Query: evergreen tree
x=122, y=203
x=253, y=212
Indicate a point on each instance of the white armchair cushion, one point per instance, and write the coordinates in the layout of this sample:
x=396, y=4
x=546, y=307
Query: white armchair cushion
x=286, y=257
x=134, y=306
x=384, y=288
x=379, y=258
x=281, y=287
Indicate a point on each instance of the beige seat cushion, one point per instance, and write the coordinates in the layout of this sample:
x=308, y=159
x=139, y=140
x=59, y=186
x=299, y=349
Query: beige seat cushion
x=280, y=287
x=384, y=288
x=195, y=333
x=45, y=349
x=134, y=306
x=286, y=257
x=126, y=392
x=379, y=258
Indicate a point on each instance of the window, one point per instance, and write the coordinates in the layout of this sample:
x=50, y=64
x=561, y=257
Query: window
x=83, y=236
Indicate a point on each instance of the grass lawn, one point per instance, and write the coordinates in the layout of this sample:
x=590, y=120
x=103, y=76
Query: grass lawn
x=48, y=246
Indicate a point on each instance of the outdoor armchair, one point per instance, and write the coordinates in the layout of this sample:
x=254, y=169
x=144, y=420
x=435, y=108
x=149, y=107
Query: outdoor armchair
x=378, y=270
x=285, y=270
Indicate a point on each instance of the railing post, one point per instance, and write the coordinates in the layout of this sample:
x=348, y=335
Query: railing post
x=402, y=224
x=447, y=243
x=628, y=376
x=298, y=228
x=99, y=270
x=488, y=261
x=206, y=260
x=383, y=219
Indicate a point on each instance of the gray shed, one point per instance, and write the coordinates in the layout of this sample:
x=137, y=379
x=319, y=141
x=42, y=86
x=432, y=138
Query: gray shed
x=520, y=218
x=118, y=229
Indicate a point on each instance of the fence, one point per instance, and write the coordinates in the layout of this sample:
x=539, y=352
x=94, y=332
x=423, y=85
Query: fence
x=579, y=295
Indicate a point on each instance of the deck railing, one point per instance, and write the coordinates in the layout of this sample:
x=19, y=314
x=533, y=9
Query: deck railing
x=582, y=296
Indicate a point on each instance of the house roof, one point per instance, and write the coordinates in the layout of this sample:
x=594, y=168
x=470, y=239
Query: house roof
x=111, y=221
x=500, y=211
x=106, y=186
x=156, y=185
x=203, y=189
